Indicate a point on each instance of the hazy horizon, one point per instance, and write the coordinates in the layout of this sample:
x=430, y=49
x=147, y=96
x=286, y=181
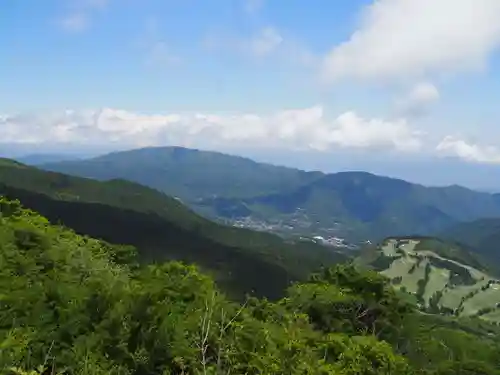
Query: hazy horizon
x=430, y=172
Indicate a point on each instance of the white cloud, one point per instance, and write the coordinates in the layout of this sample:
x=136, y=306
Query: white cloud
x=161, y=54
x=354, y=131
x=80, y=13
x=75, y=22
x=262, y=43
x=252, y=6
x=453, y=146
x=292, y=129
x=413, y=38
x=265, y=42
x=419, y=100
x=158, y=51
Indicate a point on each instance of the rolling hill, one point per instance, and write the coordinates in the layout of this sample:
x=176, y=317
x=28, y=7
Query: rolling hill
x=355, y=206
x=123, y=212
x=439, y=276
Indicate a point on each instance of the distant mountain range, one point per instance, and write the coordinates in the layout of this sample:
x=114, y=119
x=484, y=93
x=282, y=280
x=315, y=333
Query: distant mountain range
x=38, y=159
x=189, y=174
x=355, y=205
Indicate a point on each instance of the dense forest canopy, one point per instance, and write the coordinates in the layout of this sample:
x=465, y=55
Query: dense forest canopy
x=72, y=304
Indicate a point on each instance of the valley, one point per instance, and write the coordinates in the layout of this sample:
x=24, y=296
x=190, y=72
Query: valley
x=163, y=228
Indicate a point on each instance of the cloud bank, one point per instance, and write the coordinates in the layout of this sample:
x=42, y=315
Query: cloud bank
x=296, y=129
x=471, y=152
x=293, y=129
x=398, y=39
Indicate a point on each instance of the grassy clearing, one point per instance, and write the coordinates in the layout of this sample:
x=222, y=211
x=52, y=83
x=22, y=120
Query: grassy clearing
x=410, y=246
x=438, y=279
x=493, y=316
x=412, y=279
x=400, y=267
x=453, y=296
x=483, y=299
x=389, y=248
x=411, y=270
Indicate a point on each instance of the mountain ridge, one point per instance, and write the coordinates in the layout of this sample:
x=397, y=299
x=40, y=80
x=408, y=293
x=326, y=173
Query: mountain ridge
x=354, y=205
x=390, y=206
x=143, y=166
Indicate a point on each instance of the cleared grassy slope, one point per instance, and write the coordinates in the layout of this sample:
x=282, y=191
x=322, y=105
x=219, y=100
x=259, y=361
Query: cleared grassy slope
x=443, y=277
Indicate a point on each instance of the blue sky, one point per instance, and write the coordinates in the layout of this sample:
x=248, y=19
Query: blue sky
x=105, y=56
x=409, y=79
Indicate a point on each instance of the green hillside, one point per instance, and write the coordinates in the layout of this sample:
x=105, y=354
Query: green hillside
x=75, y=305
x=360, y=206
x=482, y=235
x=351, y=205
x=441, y=277
x=161, y=228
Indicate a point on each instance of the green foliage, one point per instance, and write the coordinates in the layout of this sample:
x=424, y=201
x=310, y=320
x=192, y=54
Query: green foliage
x=71, y=304
x=434, y=306
x=347, y=300
x=382, y=262
x=422, y=283
x=75, y=305
x=466, y=368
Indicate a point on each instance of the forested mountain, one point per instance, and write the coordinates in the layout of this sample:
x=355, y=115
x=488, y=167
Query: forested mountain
x=360, y=205
x=351, y=205
x=38, y=159
x=162, y=228
x=75, y=305
x=187, y=173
